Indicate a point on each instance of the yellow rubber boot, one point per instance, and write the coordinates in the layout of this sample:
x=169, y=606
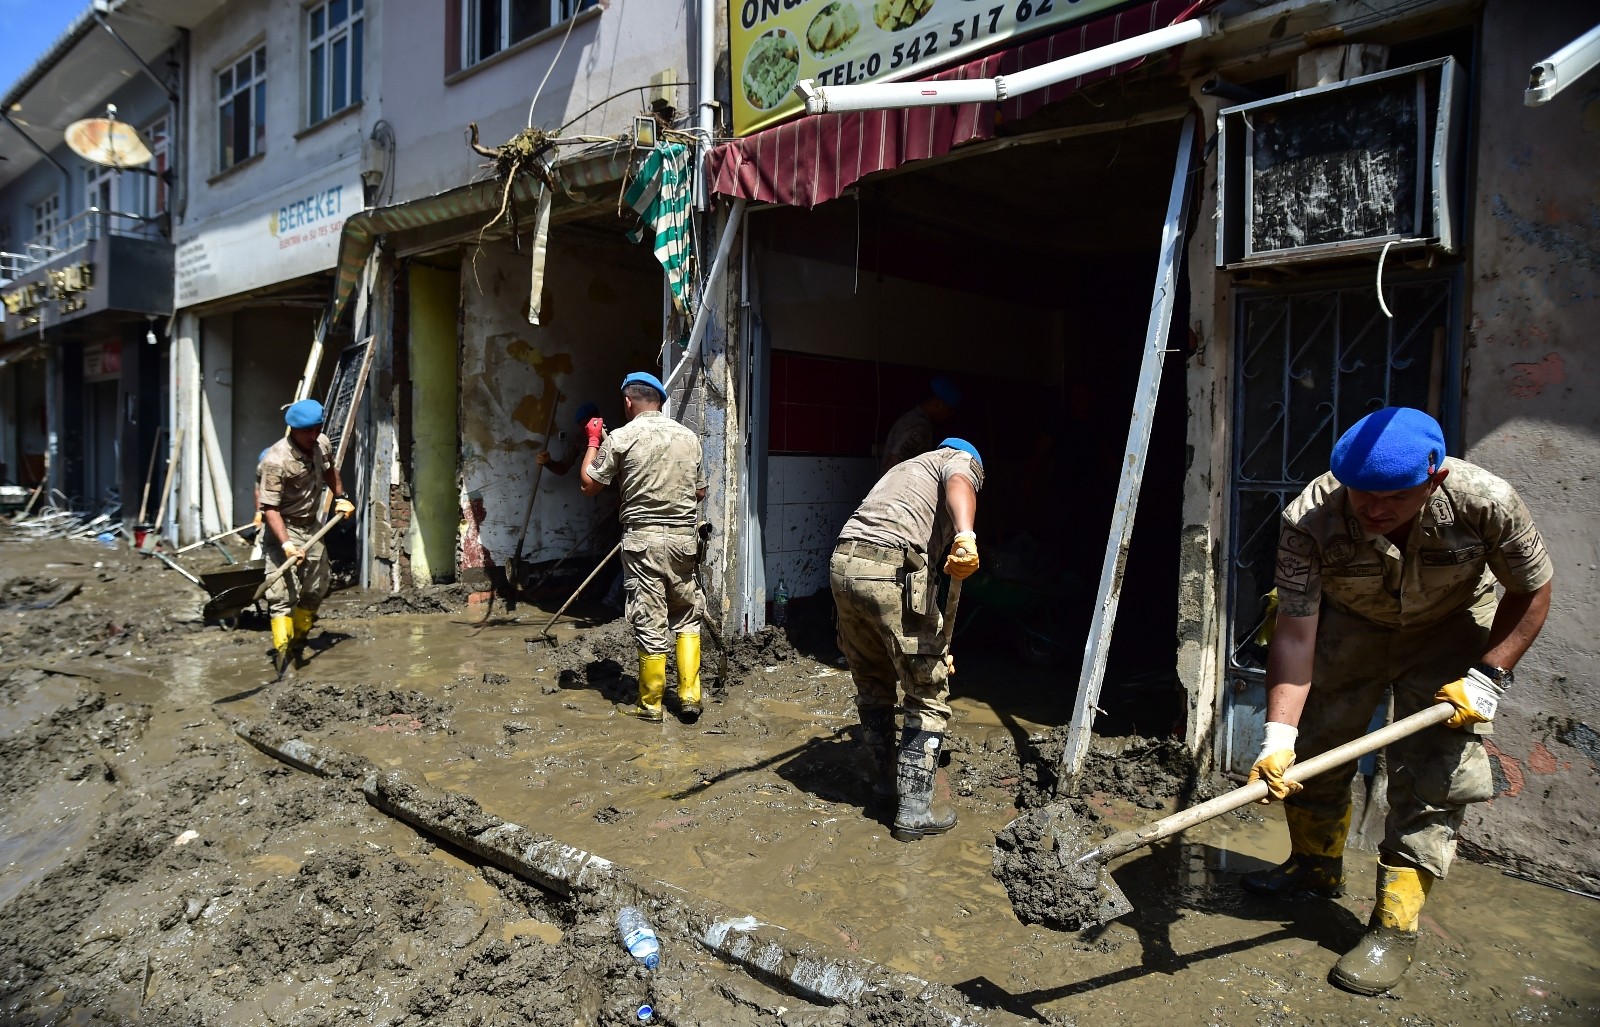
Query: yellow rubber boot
x=282, y=635
x=1384, y=953
x=652, y=687
x=689, y=678
x=1316, y=857
x=303, y=620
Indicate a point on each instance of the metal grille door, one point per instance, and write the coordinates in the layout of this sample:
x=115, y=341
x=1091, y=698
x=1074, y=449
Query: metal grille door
x=1311, y=364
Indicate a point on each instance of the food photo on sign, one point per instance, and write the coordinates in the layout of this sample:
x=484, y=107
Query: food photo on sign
x=776, y=43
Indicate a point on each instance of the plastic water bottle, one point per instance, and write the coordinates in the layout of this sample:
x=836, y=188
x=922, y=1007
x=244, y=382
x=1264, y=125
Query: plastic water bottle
x=780, y=605
x=638, y=937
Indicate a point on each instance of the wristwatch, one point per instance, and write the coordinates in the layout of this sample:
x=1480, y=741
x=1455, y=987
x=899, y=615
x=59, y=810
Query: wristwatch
x=1499, y=675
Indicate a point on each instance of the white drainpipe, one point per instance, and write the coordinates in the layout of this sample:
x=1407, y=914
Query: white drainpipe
x=705, y=89
x=871, y=96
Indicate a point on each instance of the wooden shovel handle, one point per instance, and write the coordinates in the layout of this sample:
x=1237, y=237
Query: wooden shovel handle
x=283, y=568
x=1127, y=841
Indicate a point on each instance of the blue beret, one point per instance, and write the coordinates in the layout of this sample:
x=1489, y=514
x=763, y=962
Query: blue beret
x=946, y=390
x=1388, y=450
x=586, y=413
x=964, y=446
x=305, y=414
x=646, y=378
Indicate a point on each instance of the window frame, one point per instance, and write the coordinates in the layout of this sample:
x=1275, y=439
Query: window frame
x=227, y=96
x=556, y=13
x=46, y=221
x=320, y=78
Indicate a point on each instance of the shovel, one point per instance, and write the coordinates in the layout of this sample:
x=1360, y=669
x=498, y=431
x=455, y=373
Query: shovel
x=1087, y=866
x=544, y=636
x=243, y=595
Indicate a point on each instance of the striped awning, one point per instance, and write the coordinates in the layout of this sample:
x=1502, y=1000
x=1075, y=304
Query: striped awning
x=814, y=159
x=361, y=231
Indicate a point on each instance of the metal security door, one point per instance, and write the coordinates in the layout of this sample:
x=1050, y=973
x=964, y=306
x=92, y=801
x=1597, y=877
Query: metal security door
x=1310, y=364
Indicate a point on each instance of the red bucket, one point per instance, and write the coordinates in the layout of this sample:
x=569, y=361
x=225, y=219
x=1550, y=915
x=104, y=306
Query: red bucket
x=138, y=537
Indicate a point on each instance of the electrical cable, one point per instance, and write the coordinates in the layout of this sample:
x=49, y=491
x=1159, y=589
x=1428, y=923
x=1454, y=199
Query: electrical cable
x=1381, y=258
x=553, y=62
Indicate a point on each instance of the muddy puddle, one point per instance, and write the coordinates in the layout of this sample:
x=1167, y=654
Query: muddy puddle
x=155, y=868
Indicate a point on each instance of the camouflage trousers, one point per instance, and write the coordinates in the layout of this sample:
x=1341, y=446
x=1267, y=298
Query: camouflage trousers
x=1433, y=774
x=304, y=586
x=889, y=646
x=662, y=597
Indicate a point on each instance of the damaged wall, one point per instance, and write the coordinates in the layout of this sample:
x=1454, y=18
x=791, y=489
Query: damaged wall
x=1530, y=416
x=601, y=319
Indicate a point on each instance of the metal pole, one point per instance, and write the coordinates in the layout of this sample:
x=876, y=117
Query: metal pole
x=1144, y=408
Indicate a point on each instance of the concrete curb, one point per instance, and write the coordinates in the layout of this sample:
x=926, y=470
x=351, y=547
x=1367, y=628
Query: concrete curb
x=766, y=951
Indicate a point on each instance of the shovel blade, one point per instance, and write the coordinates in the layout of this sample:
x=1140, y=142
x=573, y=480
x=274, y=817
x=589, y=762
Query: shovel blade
x=1082, y=865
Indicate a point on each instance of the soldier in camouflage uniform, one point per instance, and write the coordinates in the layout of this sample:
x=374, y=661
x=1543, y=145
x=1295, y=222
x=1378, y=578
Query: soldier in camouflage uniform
x=889, y=622
x=912, y=434
x=656, y=463
x=289, y=482
x=1385, y=579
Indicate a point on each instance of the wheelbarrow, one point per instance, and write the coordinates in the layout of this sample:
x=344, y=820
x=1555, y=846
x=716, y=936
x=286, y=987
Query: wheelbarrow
x=232, y=589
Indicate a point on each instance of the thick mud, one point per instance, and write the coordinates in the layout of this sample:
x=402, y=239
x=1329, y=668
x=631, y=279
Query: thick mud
x=156, y=868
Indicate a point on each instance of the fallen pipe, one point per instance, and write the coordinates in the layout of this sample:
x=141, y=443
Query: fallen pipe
x=765, y=951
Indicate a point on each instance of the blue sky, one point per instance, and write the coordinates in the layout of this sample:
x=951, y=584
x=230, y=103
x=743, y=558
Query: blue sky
x=27, y=28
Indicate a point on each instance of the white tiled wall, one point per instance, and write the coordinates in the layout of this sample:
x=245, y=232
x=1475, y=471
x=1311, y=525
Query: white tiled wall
x=808, y=500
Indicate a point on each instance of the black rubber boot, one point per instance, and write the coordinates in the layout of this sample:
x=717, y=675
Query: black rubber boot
x=1299, y=875
x=919, y=760
x=878, y=754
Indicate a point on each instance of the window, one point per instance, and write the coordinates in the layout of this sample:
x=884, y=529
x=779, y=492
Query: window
x=334, y=34
x=241, y=109
x=100, y=187
x=46, y=215
x=154, y=201
x=489, y=26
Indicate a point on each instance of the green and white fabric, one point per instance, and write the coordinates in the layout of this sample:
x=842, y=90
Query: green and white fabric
x=662, y=192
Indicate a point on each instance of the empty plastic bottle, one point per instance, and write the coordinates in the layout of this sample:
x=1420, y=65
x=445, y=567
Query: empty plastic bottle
x=638, y=937
x=780, y=604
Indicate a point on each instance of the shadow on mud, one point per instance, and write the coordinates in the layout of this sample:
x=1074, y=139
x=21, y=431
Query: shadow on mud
x=1166, y=884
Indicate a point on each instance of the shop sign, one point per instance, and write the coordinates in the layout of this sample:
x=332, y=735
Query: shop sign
x=67, y=288
x=292, y=233
x=775, y=43
x=102, y=360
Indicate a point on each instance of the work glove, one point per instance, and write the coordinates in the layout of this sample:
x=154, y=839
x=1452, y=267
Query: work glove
x=1275, y=759
x=962, y=562
x=294, y=552
x=949, y=665
x=343, y=507
x=256, y=523
x=594, y=428
x=1474, y=696
x=542, y=457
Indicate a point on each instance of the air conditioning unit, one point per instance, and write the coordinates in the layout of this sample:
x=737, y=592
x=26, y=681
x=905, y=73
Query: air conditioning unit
x=1343, y=169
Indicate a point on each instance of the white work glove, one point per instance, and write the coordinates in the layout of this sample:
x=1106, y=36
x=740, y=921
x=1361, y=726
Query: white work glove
x=1475, y=697
x=294, y=552
x=1274, y=760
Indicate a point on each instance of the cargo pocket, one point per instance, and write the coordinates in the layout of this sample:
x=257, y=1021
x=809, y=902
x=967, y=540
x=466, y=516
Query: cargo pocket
x=1454, y=773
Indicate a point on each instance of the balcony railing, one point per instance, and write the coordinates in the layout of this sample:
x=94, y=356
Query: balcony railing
x=72, y=235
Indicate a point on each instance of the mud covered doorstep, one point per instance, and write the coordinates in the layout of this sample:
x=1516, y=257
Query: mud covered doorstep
x=767, y=952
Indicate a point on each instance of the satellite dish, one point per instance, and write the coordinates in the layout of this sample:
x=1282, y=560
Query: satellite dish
x=107, y=141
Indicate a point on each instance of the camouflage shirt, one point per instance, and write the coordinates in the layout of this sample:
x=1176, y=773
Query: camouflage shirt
x=656, y=463
x=906, y=508
x=291, y=479
x=911, y=435
x=1473, y=530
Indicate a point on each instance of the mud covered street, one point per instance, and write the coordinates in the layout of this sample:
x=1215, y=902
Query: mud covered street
x=157, y=868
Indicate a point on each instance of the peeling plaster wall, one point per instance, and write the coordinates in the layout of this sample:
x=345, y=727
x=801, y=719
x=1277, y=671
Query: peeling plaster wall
x=1530, y=416
x=601, y=318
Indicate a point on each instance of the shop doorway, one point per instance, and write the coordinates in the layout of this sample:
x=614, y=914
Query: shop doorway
x=100, y=436
x=1023, y=274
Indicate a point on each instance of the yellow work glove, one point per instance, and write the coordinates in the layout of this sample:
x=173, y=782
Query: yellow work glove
x=962, y=562
x=1474, y=696
x=257, y=522
x=1274, y=760
x=343, y=507
x=294, y=552
x=949, y=665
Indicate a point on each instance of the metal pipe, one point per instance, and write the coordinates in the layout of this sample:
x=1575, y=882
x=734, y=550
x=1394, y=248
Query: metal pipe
x=719, y=266
x=705, y=86
x=149, y=71
x=1562, y=68
x=66, y=176
x=882, y=95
